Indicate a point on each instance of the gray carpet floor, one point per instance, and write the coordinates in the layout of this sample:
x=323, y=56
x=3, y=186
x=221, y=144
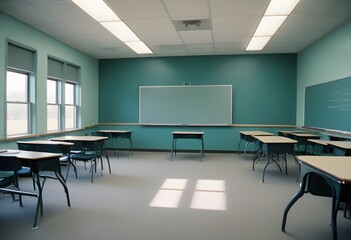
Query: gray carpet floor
x=148, y=197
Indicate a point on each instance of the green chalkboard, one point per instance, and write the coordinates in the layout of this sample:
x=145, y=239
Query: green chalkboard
x=328, y=105
x=194, y=104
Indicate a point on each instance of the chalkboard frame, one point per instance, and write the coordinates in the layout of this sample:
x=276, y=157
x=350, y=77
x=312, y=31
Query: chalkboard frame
x=328, y=105
x=198, y=110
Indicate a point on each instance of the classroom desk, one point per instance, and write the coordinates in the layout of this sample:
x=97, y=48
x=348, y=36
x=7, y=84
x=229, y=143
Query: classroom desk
x=41, y=161
x=81, y=140
x=49, y=146
x=324, y=176
x=248, y=137
x=271, y=147
x=116, y=135
x=302, y=139
x=187, y=135
x=341, y=148
x=319, y=146
x=286, y=133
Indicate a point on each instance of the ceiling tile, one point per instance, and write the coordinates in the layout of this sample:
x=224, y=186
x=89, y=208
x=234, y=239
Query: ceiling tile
x=65, y=12
x=202, y=36
x=31, y=15
x=138, y=9
x=13, y=3
x=187, y=10
x=314, y=7
x=151, y=24
x=341, y=9
x=238, y=7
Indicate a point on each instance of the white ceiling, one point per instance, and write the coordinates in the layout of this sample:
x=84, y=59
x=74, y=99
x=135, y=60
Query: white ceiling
x=226, y=29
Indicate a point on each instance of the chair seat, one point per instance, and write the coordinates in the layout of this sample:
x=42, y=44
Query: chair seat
x=6, y=178
x=83, y=156
x=25, y=172
x=6, y=174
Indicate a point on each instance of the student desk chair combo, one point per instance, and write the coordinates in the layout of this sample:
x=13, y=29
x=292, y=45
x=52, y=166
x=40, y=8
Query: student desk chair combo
x=327, y=176
x=39, y=161
x=50, y=146
x=339, y=148
x=301, y=138
x=116, y=135
x=249, y=137
x=271, y=147
x=89, y=149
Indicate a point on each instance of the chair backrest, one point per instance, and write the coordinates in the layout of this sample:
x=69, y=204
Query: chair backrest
x=52, y=148
x=96, y=147
x=10, y=163
x=77, y=146
x=26, y=146
x=100, y=134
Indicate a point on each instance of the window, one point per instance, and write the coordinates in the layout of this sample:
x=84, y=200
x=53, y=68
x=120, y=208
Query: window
x=18, y=105
x=53, y=106
x=62, y=95
x=20, y=92
x=70, y=106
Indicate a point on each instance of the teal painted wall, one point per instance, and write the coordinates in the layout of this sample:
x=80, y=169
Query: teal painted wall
x=264, y=92
x=264, y=86
x=44, y=45
x=327, y=60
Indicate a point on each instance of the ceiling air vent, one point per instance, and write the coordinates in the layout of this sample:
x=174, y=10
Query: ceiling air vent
x=190, y=25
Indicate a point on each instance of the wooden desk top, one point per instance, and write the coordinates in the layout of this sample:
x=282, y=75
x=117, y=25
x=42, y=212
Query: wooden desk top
x=341, y=144
x=29, y=155
x=305, y=134
x=321, y=141
x=79, y=138
x=275, y=139
x=291, y=131
x=46, y=142
x=191, y=133
x=114, y=131
x=256, y=133
x=336, y=166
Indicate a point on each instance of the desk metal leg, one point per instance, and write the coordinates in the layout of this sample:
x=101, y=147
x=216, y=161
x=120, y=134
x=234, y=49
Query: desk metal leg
x=239, y=146
x=247, y=143
x=202, y=149
x=173, y=148
x=298, y=195
x=269, y=162
x=61, y=180
x=68, y=167
x=130, y=145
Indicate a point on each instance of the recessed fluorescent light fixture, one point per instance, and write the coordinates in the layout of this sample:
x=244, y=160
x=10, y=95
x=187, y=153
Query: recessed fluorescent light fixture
x=97, y=9
x=257, y=43
x=276, y=13
x=138, y=47
x=269, y=25
x=281, y=7
x=121, y=31
x=102, y=13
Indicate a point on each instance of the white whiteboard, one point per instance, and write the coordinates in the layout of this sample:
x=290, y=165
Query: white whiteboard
x=194, y=104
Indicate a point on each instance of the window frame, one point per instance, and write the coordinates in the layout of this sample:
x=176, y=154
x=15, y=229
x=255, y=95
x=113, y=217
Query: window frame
x=57, y=102
x=27, y=102
x=74, y=105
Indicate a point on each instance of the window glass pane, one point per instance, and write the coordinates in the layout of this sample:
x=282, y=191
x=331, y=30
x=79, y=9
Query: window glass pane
x=17, y=118
x=16, y=89
x=70, y=117
x=51, y=91
x=69, y=93
x=53, y=118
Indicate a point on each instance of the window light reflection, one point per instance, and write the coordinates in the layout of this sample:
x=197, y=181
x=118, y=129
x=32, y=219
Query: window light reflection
x=169, y=194
x=209, y=195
